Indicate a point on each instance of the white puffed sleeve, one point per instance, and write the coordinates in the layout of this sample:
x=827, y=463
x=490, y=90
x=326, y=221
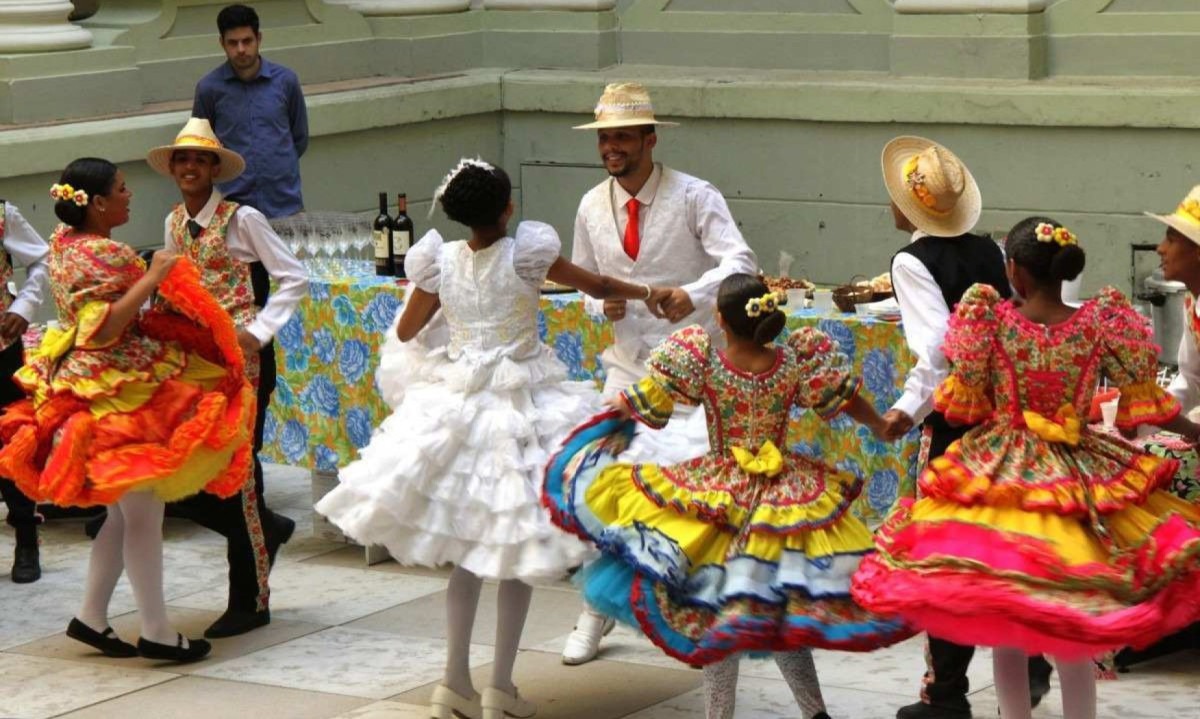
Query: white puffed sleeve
x=423, y=264
x=537, y=247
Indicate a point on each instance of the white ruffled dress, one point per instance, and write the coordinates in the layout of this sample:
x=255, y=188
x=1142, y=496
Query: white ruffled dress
x=454, y=474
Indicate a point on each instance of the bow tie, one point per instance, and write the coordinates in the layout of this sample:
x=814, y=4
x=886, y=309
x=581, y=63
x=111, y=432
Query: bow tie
x=194, y=228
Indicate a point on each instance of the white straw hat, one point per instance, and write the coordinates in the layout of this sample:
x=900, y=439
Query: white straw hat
x=931, y=186
x=624, y=104
x=1186, y=217
x=197, y=134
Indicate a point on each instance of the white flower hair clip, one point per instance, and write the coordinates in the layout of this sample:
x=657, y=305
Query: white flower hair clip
x=766, y=304
x=463, y=164
x=66, y=192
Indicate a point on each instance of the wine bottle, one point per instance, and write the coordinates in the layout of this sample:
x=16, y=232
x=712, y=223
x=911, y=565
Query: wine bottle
x=402, y=233
x=382, y=230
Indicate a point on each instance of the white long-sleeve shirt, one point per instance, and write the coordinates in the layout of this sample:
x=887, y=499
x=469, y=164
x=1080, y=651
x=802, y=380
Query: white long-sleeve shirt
x=926, y=317
x=1186, y=385
x=28, y=250
x=689, y=239
x=250, y=238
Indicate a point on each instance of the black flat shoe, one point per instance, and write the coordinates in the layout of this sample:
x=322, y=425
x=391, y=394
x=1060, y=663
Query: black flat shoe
x=196, y=649
x=949, y=710
x=106, y=642
x=236, y=621
x=27, y=566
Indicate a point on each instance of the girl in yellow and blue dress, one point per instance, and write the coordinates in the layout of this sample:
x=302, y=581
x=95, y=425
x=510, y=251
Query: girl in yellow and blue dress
x=745, y=548
x=1036, y=533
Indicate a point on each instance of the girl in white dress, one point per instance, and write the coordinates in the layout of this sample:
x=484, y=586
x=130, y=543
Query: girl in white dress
x=453, y=476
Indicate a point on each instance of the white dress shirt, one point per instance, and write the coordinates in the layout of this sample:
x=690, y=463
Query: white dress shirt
x=688, y=239
x=250, y=238
x=925, y=317
x=28, y=250
x=1186, y=385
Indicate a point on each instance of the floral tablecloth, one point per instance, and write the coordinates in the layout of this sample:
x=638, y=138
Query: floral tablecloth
x=326, y=405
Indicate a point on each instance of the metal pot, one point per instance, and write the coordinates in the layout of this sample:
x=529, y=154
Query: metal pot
x=1166, y=300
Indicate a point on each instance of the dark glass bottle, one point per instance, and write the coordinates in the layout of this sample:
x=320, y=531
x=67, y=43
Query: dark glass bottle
x=402, y=233
x=382, y=231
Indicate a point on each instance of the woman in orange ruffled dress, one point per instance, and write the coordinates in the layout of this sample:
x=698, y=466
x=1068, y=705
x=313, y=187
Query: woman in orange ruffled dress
x=1037, y=534
x=126, y=409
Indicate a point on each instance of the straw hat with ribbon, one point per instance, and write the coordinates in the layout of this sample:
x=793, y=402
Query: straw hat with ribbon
x=1186, y=218
x=624, y=104
x=197, y=134
x=931, y=186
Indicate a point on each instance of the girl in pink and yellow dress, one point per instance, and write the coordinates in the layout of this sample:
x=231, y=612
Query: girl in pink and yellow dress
x=1037, y=534
x=126, y=409
x=745, y=548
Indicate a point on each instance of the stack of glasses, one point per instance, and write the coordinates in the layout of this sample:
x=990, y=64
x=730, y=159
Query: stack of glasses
x=331, y=245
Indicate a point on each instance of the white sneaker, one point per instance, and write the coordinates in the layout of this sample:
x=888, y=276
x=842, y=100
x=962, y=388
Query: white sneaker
x=584, y=643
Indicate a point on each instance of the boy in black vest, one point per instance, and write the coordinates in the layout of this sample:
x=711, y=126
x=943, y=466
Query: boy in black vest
x=935, y=198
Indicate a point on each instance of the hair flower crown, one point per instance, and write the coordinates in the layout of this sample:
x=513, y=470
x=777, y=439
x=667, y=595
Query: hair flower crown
x=463, y=164
x=1046, y=232
x=766, y=304
x=66, y=192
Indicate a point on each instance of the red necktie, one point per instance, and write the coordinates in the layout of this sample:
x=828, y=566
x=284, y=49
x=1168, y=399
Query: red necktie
x=632, y=242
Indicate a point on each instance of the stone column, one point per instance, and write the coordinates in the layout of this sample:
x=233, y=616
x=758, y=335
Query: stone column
x=39, y=26
x=969, y=38
x=376, y=8
x=584, y=5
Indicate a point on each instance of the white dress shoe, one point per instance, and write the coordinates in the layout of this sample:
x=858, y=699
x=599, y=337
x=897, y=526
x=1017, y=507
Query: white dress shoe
x=449, y=704
x=584, y=643
x=498, y=704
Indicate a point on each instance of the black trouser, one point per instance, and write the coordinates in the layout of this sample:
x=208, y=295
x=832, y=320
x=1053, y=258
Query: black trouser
x=242, y=519
x=22, y=511
x=948, y=662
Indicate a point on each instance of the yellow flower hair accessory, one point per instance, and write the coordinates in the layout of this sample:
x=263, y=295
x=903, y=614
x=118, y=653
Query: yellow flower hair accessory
x=66, y=192
x=768, y=303
x=1046, y=232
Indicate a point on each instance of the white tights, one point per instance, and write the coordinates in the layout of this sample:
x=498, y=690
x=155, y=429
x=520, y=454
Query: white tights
x=720, y=684
x=462, y=599
x=1076, y=679
x=130, y=540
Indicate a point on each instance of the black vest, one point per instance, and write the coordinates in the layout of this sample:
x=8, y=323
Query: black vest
x=956, y=263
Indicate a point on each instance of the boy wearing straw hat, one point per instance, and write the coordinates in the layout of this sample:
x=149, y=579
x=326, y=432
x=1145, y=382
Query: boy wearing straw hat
x=649, y=224
x=21, y=243
x=935, y=198
x=239, y=254
x=1179, y=252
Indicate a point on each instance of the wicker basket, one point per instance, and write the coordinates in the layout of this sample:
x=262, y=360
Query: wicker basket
x=851, y=294
x=881, y=296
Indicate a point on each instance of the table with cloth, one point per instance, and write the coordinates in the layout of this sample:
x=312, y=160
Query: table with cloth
x=326, y=405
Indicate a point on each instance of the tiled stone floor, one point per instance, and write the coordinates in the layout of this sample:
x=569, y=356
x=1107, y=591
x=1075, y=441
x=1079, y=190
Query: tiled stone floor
x=348, y=641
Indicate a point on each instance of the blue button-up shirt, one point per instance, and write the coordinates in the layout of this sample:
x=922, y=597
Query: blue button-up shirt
x=265, y=121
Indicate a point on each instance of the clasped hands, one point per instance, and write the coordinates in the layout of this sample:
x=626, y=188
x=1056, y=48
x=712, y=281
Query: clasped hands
x=670, y=303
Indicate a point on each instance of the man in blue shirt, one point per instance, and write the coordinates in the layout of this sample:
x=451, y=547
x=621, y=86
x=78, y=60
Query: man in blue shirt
x=257, y=110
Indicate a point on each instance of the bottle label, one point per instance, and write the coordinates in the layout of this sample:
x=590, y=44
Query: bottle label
x=401, y=241
x=381, y=244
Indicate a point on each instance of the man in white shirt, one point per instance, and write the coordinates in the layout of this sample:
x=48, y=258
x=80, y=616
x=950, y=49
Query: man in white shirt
x=935, y=198
x=239, y=254
x=649, y=224
x=24, y=247
x=1180, y=255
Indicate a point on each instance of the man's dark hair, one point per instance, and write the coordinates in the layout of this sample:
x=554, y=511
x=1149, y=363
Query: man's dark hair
x=235, y=16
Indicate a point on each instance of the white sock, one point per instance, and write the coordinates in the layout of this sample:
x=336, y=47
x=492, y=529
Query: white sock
x=511, y=609
x=800, y=672
x=1078, y=683
x=720, y=688
x=1011, y=669
x=144, y=563
x=462, y=599
x=104, y=569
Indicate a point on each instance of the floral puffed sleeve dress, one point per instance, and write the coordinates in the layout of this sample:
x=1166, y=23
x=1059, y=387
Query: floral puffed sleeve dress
x=164, y=407
x=746, y=548
x=1035, y=531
